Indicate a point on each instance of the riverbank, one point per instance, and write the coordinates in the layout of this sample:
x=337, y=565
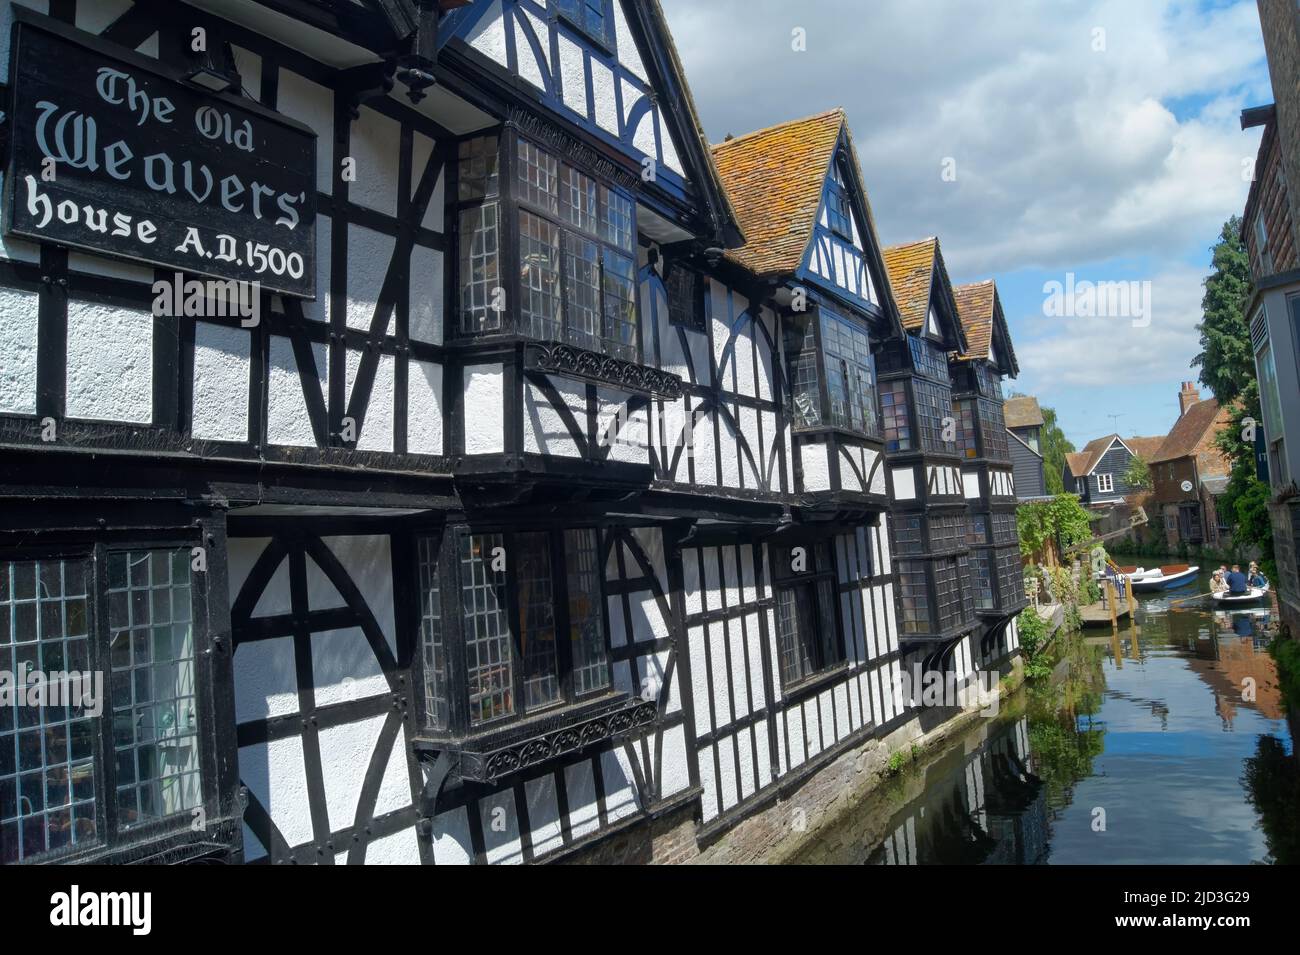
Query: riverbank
x=811, y=813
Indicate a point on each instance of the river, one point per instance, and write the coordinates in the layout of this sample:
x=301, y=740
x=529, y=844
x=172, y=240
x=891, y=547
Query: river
x=1168, y=743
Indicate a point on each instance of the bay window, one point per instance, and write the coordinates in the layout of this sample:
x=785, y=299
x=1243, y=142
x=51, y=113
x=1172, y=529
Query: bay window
x=832, y=373
x=576, y=239
x=531, y=631
x=895, y=422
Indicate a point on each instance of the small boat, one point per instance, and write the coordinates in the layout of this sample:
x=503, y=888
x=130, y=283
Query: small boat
x=1162, y=578
x=1249, y=597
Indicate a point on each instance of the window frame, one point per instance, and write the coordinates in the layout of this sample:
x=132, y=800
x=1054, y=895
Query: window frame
x=807, y=360
x=606, y=40
x=459, y=722
x=839, y=201
x=115, y=840
x=672, y=268
x=821, y=574
x=1105, y=483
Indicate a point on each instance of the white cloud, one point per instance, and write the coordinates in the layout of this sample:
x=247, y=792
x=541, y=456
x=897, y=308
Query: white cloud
x=1065, y=155
x=1057, y=354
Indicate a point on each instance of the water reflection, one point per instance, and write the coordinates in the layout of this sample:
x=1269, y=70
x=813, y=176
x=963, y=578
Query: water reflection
x=1168, y=742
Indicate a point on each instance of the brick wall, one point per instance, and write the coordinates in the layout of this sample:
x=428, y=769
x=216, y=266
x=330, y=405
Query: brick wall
x=1280, y=20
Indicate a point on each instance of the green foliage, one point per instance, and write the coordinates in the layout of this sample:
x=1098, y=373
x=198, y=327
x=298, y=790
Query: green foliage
x=1032, y=630
x=1286, y=654
x=1225, y=359
x=1062, y=519
x=1246, y=499
x=1053, y=445
x=1137, y=474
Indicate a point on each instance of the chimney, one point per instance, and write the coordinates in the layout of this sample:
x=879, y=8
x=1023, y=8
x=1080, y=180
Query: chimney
x=1187, y=397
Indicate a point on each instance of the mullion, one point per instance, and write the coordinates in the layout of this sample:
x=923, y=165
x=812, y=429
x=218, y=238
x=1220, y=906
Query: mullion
x=563, y=626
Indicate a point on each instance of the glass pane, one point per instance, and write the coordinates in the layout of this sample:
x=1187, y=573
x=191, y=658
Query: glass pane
x=620, y=307
x=893, y=416
x=539, y=181
x=47, y=767
x=539, y=279
x=582, y=291
x=796, y=630
x=155, y=713
x=618, y=218
x=913, y=598
x=537, y=621
x=477, y=168
x=481, y=301
x=586, y=622
x=578, y=200
x=488, y=661
x=435, y=654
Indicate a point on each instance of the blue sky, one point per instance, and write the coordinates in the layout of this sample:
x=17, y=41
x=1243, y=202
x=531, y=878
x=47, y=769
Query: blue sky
x=1093, y=137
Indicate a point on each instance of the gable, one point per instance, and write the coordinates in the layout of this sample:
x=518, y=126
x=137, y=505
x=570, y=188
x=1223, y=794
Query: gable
x=923, y=292
x=837, y=253
x=607, y=68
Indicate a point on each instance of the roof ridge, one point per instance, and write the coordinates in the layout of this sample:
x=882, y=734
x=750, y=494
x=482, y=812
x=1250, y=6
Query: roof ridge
x=777, y=126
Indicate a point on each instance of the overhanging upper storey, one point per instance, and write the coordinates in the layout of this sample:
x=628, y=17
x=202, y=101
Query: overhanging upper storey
x=797, y=190
x=608, y=71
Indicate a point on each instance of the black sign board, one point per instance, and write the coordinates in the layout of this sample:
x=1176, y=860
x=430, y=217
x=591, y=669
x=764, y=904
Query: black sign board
x=113, y=155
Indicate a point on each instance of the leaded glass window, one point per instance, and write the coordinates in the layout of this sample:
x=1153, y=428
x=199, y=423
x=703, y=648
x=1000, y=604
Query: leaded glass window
x=155, y=711
x=893, y=415
x=589, y=16
x=913, y=597
x=947, y=592
x=964, y=413
x=431, y=635
x=850, y=375
x=993, y=430
x=928, y=359
x=933, y=408
x=539, y=269
x=839, y=208
x=685, y=289
x=489, y=662
x=586, y=621
x=47, y=753
x=982, y=577
x=806, y=631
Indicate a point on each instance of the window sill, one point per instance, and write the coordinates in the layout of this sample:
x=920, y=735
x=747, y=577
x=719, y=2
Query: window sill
x=811, y=685
x=492, y=753
x=562, y=359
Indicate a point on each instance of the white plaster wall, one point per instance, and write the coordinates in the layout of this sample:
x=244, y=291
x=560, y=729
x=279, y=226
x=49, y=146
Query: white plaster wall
x=484, y=409
x=544, y=430
x=222, y=358
x=424, y=317
x=489, y=34
x=424, y=408
x=19, y=313
x=110, y=363
x=816, y=466
x=368, y=561
x=377, y=428
x=287, y=420
x=369, y=254
x=266, y=682
x=572, y=76
x=312, y=104
x=376, y=147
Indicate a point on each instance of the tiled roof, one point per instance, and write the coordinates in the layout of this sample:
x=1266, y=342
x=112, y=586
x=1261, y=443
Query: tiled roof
x=1093, y=451
x=1022, y=412
x=911, y=276
x=975, y=308
x=774, y=179
x=1187, y=432
x=1077, y=462
x=1145, y=448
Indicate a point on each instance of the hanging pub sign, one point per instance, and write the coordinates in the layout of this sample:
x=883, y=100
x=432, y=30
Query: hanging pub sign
x=111, y=155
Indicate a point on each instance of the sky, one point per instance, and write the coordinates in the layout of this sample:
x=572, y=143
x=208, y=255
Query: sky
x=1039, y=141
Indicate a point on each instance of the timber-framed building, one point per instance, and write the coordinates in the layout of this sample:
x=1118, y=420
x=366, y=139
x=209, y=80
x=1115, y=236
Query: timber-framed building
x=541, y=493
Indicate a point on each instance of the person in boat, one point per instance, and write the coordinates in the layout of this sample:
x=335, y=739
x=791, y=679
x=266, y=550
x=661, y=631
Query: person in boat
x=1217, y=584
x=1255, y=578
x=1237, y=583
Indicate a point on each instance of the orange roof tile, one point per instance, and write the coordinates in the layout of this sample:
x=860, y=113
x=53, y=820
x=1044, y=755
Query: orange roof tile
x=911, y=276
x=1188, y=430
x=774, y=179
x=1022, y=412
x=975, y=309
x=1145, y=448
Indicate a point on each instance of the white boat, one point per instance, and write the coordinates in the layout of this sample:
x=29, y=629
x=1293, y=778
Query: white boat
x=1162, y=578
x=1250, y=596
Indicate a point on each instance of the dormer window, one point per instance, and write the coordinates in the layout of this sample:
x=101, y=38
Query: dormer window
x=592, y=17
x=839, y=208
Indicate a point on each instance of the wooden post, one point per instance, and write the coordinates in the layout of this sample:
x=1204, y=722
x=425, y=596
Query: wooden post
x=1112, y=597
x=1128, y=587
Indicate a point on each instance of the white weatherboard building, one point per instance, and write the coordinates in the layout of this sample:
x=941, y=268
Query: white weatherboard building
x=545, y=497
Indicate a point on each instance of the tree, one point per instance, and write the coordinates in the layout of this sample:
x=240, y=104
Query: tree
x=1228, y=369
x=1225, y=359
x=1054, y=446
x=1137, y=474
